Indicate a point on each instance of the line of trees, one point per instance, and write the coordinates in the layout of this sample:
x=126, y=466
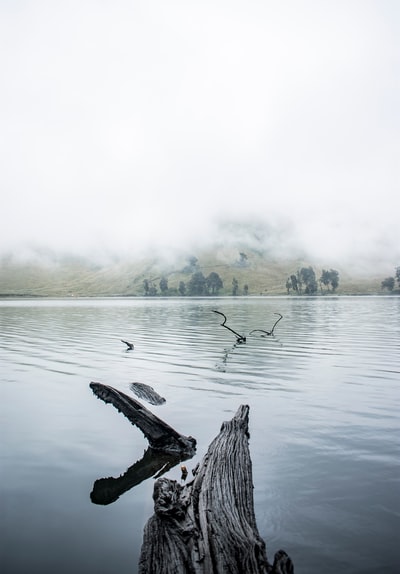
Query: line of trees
x=198, y=285
x=304, y=281
x=390, y=282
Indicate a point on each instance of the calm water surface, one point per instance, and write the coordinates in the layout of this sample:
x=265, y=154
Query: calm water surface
x=324, y=396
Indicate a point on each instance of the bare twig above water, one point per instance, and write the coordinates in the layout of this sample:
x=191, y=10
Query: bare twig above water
x=272, y=330
x=239, y=338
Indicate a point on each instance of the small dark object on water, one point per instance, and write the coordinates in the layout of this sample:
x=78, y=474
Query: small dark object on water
x=147, y=393
x=239, y=338
x=128, y=344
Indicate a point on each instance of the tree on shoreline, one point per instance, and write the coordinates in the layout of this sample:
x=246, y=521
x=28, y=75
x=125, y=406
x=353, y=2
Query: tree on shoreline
x=163, y=285
x=214, y=283
x=197, y=284
x=150, y=290
x=388, y=283
x=331, y=278
x=235, y=286
x=306, y=277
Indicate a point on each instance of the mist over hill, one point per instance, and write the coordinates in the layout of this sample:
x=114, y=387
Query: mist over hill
x=249, y=259
x=164, y=133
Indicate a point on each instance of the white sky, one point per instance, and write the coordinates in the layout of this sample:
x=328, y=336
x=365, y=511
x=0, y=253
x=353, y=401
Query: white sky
x=130, y=123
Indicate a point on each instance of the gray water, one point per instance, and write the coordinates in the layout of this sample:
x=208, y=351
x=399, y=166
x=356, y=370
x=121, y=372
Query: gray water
x=324, y=421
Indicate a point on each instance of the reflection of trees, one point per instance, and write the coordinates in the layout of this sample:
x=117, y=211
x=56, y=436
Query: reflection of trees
x=153, y=464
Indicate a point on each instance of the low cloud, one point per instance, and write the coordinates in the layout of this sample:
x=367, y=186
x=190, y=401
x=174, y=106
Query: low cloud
x=130, y=128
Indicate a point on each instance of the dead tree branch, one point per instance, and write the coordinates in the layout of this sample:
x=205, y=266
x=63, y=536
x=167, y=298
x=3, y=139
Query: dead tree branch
x=272, y=330
x=239, y=338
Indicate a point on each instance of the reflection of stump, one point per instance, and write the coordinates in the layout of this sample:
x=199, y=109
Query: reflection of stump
x=209, y=525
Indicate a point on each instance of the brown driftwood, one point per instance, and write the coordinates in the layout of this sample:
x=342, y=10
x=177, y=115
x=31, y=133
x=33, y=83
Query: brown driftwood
x=209, y=525
x=160, y=435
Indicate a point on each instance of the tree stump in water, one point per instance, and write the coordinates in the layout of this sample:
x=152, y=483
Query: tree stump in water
x=209, y=525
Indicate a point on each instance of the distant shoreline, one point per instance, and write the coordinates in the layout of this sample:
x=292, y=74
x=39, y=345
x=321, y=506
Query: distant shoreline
x=7, y=296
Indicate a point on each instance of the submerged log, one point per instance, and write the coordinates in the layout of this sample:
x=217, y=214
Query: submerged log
x=209, y=525
x=147, y=393
x=159, y=434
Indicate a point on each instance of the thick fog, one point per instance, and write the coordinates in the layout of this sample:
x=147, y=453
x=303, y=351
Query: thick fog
x=134, y=125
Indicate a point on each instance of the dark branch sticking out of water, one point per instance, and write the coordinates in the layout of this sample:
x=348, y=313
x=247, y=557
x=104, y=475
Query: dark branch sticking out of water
x=130, y=346
x=239, y=338
x=268, y=332
x=147, y=393
x=159, y=434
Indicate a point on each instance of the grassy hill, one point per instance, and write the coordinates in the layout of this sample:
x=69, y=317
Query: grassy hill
x=259, y=270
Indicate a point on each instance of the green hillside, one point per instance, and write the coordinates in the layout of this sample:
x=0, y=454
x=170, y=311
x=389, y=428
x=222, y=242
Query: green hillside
x=259, y=271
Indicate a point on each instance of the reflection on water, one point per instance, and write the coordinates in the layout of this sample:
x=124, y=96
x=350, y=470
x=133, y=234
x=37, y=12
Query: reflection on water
x=153, y=464
x=324, y=421
x=166, y=449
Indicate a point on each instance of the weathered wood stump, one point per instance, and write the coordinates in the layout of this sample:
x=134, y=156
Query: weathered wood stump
x=209, y=525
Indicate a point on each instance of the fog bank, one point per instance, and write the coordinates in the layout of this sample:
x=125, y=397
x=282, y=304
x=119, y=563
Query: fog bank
x=134, y=127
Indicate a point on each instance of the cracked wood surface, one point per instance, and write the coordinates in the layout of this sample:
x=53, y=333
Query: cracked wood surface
x=209, y=525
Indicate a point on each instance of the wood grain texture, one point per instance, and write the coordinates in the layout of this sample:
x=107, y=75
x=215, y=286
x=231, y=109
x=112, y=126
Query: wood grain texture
x=209, y=525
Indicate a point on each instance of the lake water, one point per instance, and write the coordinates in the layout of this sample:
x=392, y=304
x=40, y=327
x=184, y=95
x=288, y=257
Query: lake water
x=324, y=396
